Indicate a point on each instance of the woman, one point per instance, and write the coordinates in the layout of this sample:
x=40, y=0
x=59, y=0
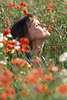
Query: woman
x=29, y=27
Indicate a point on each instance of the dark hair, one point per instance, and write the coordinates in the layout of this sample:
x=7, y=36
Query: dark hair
x=20, y=29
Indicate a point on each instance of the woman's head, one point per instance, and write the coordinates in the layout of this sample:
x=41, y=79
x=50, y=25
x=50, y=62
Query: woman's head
x=20, y=28
x=37, y=30
x=29, y=27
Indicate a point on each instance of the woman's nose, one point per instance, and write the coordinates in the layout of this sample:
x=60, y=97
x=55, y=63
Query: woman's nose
x=46, y=32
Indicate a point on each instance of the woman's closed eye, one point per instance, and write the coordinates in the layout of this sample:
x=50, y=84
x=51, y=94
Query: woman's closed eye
x=41, y=25
x=38, y=25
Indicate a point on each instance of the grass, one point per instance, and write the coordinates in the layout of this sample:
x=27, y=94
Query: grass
x=54, y=47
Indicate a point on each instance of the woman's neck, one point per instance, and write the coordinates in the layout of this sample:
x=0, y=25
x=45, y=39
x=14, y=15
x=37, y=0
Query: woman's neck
x=37, y=46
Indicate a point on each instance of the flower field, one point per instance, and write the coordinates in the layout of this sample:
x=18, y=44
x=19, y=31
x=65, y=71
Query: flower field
x=38, y=80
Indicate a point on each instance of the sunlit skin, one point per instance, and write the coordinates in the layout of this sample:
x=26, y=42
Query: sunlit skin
x=37, y=34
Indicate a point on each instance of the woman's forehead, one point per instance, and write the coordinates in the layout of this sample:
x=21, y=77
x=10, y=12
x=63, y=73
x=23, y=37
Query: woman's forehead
x=36, y=21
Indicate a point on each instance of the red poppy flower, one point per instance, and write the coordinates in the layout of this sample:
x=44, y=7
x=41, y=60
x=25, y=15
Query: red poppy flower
x=24, y=45
x=7, y=31
x=25, y=12
x=48, y=77
x=6, y=78
x=50, y=7
x=62, y=89
x=53, y=68
x=3, y=96
x=24, y=41
x=30, y=78
x=54, y=48
x=11, y=5
x=52, y=21
x=19, y=62
x=19, y=7
x=23, y=4
x=10, y=92
x=49, y=29
x=24, y=93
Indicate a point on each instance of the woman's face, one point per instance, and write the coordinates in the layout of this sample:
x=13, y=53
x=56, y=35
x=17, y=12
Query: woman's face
x=37, y=30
